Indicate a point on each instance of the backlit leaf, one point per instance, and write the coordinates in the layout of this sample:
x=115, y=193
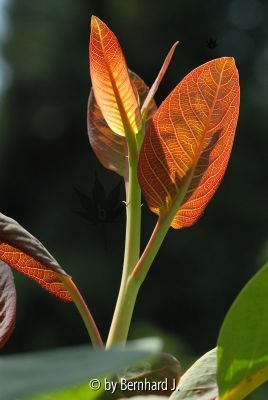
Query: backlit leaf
x=243, y=341
x=111, y=82
x=110, y=148
x=199, y=381
x=187, y=147
x=22, y=251
x=154, y=87
x=7, y=303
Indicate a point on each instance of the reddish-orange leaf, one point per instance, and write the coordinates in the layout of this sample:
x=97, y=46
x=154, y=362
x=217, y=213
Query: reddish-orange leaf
x=7, y=303
x=158, y=80
x=23, y=252
x=111, y=82
x=110, y=148
x=187, y=147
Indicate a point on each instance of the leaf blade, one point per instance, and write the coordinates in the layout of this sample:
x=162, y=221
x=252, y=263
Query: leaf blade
x=110, y=81
x=110, y=148
x=243, y=341
x=199, y=381
x=23, y=252
x=7, y=303
x=64, y=367
x=187, y=147
x=155, y=85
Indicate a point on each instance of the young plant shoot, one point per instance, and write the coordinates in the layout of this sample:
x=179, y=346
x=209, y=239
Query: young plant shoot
x=176, y=156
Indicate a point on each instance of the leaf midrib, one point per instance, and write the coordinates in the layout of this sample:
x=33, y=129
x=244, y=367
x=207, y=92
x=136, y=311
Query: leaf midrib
x=119, y=102
x=181, y=193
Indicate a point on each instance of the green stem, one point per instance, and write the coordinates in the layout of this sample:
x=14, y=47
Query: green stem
x=131, y=283
x=127, y=294
x=135, y=269
x=141, y=270
x=83, y=310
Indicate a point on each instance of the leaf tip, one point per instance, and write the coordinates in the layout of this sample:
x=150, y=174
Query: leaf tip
x=97, y=23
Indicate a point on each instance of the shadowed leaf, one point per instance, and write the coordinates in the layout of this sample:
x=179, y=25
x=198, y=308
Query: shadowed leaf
x=111, y=82
x=22, y=251
x=23, y=375
x=199, y=381
x=110, y=148
x=162, y=372
x=7, y=303
x=187, y=147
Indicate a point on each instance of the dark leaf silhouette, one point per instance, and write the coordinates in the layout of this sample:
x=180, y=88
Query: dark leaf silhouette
x=7, y=303
x=212, y=43
x=101, y=208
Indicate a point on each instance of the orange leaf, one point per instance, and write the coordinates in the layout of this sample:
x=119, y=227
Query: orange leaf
x=23, y=252
x=111, y=83
x=7, y=303
x=158, y=80
x=187, y=147
x=110, y=148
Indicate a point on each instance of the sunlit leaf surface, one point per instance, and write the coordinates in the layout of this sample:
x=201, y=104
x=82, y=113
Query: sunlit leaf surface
x=154, y=87
x=7, y=303
x=22, y=251
x=187, y=147
x=111, y=82
x=243, y=341
x=110, y=148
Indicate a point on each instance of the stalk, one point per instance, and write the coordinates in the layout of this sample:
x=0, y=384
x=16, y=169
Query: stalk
x=134, y=275
x=128, y=292
x=83, y=310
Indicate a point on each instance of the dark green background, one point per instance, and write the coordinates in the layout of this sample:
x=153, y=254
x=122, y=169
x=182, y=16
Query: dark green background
x=45, y=155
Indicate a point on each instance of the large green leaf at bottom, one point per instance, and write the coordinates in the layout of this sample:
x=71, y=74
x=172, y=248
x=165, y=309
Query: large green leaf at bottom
x=26, y=374
x=199, y=381
x=243, y=340
x=80, y=392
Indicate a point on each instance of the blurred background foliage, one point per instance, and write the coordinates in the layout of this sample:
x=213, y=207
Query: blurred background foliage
x=45, y=156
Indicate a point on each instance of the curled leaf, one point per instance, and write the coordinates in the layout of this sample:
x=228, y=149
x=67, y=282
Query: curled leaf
x=23, y=252
x=158, y=80
x=7, y=303
x=110, y=148
x=187, y=147
x=111, y=82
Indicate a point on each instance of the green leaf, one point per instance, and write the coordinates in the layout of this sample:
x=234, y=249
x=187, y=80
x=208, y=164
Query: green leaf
x=150, y=397
x=28, y=374
x=161, y=368
x=199, y=381
x=80, y=392
x=7, y=303
x=243, y=341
